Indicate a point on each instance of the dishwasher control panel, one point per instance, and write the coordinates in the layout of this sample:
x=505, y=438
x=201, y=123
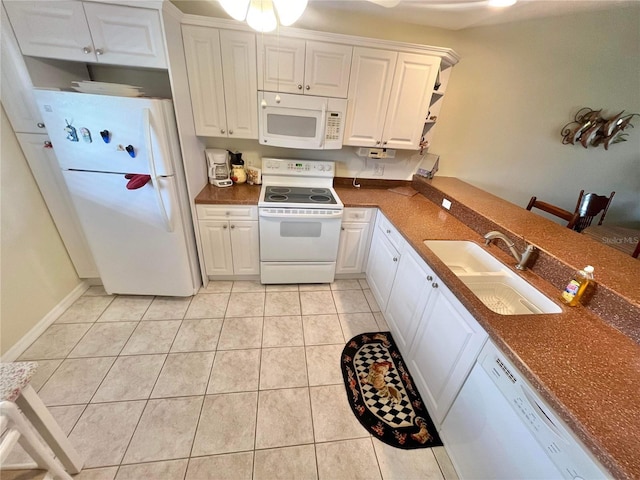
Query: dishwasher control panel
x=561, y=446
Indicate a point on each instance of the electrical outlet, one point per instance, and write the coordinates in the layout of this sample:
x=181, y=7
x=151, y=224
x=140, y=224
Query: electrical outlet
x=378, y=169
x=446, y=203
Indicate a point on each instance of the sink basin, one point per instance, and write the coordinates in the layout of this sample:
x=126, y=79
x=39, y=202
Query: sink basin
x=495, y=285
x=509, y=295
x=464, y=257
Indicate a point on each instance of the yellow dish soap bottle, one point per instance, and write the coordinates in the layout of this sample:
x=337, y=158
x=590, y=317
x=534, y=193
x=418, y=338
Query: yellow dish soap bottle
x=577, y=286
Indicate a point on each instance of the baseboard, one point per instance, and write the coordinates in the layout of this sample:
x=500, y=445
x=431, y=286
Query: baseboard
x=21, y=345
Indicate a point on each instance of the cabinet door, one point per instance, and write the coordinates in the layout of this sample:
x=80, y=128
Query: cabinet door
x=126, y=35
x=410, y=292
x=245, y=245
x=447, y=344
x=281, y=64
x=216, y=246
x=204, y=65
x=411, y=92
x=369, y=90
x=352, y=249
x=51, y=29
x=44, y=166
x=240, y=83
x=17, y=97
x=381, y=268
x=327, y=68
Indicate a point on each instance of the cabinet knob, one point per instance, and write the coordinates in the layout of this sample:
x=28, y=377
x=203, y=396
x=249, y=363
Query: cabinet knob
x=384, y=143
x=86, y=49
x=378, y=142
x=429, y=278
x=299, y=87
x=388, y=231
x=222, y=130
x=308, y=87
x=99, y=51
x=230, y=132
x=40, y=125
x=227, y=213
x=342, y=228
x=233, y=226
x=47, y=144
x=434, y=285
x=224, y=227
x=395, y=259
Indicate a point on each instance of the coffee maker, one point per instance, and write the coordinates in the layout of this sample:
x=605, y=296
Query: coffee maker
x=218, y=167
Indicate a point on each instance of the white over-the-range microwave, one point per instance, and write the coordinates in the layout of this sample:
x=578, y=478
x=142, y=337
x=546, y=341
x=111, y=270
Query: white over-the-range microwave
x=301, y=121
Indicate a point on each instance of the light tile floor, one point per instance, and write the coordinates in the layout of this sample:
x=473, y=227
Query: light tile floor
x=241, y=381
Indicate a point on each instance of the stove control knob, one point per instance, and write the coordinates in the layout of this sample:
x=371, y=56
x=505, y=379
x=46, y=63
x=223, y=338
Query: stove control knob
x=321, y=168
x=328, y=168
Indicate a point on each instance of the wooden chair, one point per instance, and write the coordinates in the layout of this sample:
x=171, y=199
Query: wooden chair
x=587, y=208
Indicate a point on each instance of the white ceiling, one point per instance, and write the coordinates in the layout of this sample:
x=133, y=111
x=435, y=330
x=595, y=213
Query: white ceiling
x=452, y=17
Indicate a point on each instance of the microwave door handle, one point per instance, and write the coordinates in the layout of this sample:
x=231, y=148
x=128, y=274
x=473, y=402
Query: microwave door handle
x=323, y=120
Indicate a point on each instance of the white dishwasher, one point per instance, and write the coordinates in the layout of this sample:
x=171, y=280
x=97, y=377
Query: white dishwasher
x=497, y=428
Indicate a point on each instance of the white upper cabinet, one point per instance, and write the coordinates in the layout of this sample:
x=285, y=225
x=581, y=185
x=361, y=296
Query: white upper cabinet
x=204, y=67
x=307, y=67
x=389, y=95
x=126, y=35
x=221, y=65
x=369, y=92
x=52, y=29
x=89, y=32
x=240, y=83
x=409, y=102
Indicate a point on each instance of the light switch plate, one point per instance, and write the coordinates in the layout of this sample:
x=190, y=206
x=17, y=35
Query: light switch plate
x=446, y=203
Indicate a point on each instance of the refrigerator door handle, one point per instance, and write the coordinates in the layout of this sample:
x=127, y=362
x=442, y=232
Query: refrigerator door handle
x=152, y=169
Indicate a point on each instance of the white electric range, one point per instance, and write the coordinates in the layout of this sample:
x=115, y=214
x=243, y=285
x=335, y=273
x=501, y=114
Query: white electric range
x=300, y=217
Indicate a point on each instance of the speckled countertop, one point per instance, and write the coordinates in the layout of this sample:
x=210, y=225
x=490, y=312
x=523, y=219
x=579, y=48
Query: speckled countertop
x=586, y=369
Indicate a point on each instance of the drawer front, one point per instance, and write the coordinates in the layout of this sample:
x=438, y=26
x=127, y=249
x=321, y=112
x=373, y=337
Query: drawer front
x=227, y=212
x=357, y=215
x=390, y=232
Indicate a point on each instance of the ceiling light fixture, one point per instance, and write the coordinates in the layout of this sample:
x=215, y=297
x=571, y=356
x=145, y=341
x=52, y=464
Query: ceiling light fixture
x=261, y=14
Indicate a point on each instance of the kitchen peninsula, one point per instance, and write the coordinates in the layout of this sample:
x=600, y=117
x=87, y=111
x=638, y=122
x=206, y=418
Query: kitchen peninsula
x=583, y=361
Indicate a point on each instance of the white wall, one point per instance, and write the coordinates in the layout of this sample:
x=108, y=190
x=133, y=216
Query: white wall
x=36, y=270
x=515, y=88
x=518, y=85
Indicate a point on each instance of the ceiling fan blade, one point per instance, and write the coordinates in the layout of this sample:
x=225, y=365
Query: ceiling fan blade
x=447, y=5
x=385, y=3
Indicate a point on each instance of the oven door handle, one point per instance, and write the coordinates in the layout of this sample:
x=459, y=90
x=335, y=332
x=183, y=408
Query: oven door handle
x=295, y=216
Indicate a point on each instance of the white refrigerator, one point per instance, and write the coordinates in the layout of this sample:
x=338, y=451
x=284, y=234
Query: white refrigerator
x=121, y=160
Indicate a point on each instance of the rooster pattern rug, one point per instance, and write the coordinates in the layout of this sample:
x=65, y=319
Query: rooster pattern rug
x=382, y=394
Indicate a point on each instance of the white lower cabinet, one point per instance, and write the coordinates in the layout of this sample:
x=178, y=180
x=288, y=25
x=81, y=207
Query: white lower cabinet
x=355, y=238
x=230, y=240
x=384, y=258
x=438, y=338
x=446, y=345
x=409, y=294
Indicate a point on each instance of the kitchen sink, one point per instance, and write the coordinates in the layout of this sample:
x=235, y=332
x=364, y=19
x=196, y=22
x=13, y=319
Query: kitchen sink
x=495, y=285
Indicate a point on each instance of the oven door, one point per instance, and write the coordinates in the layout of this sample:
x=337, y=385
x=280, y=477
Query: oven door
x=299, y=235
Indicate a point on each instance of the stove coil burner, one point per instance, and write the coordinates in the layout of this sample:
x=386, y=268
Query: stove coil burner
x=280, y=190
x=319, y=191
x=320, y=198
x=278, y=198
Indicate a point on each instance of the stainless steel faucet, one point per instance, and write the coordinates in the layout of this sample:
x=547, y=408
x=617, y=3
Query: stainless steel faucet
x=522, y=259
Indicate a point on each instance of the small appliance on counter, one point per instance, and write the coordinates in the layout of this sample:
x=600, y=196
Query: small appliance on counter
x=238, y=173
x=218, y=167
